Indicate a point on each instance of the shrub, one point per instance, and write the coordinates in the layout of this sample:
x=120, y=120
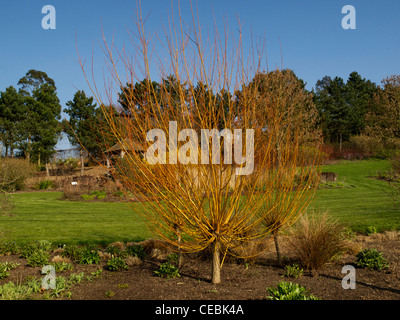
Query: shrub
x=167, y=270
x=136, y=251
x=45, y=184
x=13, y=174
x=371, y=259
x=367, y=145
x=116, y=264
x=317, y=241
x=289, y=291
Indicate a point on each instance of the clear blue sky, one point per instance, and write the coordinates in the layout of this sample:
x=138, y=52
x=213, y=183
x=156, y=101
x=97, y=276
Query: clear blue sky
x=314, y=44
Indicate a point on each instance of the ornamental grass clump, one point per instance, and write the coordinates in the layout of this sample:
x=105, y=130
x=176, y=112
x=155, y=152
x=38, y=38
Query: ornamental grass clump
x=316, y=240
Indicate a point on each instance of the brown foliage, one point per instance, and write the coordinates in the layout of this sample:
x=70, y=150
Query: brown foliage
x=317, y=239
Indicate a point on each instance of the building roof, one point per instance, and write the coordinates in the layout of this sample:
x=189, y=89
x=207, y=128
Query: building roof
x=125, y=145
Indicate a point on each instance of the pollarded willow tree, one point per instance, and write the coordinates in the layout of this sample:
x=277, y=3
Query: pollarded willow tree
x=209, y=163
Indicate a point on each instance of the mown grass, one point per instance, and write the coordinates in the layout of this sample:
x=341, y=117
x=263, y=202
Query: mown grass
x=41, y=215
x=363, y=203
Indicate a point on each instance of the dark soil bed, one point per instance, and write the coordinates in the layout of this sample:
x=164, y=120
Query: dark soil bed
x=240, y=281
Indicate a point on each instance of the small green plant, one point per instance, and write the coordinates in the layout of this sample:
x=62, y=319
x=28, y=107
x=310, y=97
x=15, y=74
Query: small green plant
x=123, y=285
x=39, y=245
x=116, y=251
x=293, y=271
x=371, y=259
x=173, y=258
x=73, y=252
x=61, y=266
x=135, y=251
x=109, y=294
x=76, y=278
x=371, y=230
x=97, y=273
x=12, y=291
x=119, y=194
x=45, y=184
x=34, y=283
x=8, y=247
x=38, y=258
x=87, y=197
x=167, y=270
x=3, y=273
x=90, y=256
x=289, y=291
x=116, y=264
x=99, y=194
x=5, y=267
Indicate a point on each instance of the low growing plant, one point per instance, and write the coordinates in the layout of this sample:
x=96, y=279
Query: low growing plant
x=167, y=270
x=38, y=258
x=136, y=251
x=87, y=197
x=12, y=291
x=289, y=291
x=39, y=245
x=371, y=230
x=73, y=252
x=293, y=271
x=116, y=264
x=3, y=272
x=8, y=247
x=90, y=256
x=371, y=259
x=45, y=184
x=61, y=266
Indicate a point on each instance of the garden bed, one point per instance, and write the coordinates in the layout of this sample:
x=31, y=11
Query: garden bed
x=240, y=280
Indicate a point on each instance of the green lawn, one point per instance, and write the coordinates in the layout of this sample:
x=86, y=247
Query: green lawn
x=41, y=215
x=364, y=204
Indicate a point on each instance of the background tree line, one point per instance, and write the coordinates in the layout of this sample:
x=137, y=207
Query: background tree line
x=355, y=112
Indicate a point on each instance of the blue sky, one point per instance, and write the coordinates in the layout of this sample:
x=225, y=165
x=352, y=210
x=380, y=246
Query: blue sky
x=310, y=33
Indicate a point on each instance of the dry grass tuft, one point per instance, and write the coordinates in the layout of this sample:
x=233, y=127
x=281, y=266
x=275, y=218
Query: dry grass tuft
x=317, y=240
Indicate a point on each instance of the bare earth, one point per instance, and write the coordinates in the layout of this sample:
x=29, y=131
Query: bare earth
x=240, y=281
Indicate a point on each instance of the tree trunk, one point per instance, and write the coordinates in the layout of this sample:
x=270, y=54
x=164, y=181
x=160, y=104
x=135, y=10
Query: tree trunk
x=47, y=169
x=216, y=264
x=278, y=251
x=82, y=163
